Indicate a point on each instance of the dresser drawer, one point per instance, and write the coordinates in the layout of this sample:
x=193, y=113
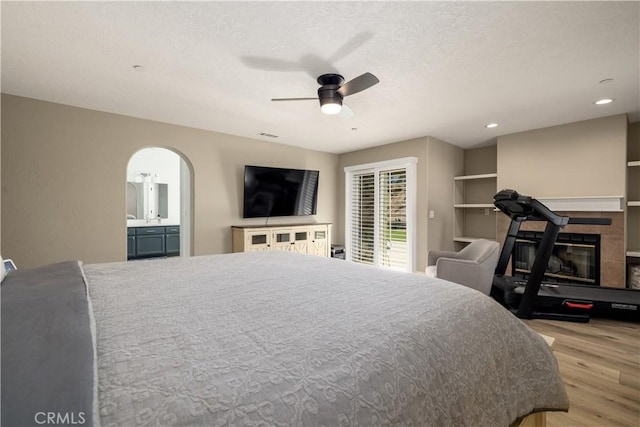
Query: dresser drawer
x=173, y=230
x=131, y=231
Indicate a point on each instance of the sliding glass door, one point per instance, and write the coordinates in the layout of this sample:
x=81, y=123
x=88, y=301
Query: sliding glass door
x=380, y=214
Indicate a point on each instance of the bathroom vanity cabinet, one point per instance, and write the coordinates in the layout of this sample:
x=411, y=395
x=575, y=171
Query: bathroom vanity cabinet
x=153, y=241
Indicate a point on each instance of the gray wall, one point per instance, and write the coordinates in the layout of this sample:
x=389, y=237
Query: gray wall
x=64, y=171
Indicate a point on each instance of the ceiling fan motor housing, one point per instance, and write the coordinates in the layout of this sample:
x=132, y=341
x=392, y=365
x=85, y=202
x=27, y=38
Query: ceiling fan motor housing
x=330, y=79
x=328, y=91
x=329, y=95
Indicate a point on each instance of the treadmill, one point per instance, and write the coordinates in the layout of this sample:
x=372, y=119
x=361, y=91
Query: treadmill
x=535, y=298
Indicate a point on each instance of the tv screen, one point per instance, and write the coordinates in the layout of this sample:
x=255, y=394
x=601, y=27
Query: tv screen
x=279, y=192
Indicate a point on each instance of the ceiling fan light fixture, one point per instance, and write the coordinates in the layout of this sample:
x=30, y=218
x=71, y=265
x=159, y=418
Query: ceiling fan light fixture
x=331, y=106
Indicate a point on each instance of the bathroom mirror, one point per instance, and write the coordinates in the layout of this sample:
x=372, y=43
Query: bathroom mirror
x=146, y=200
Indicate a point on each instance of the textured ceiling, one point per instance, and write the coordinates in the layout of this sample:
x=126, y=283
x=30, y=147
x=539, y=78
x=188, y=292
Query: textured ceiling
x=446, y=68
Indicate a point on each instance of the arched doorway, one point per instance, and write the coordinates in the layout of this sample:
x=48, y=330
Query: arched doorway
x=158, y=203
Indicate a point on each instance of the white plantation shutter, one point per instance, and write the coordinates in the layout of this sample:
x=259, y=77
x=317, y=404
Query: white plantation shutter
x=380, y=214
x=363, y=218
x=393, y=218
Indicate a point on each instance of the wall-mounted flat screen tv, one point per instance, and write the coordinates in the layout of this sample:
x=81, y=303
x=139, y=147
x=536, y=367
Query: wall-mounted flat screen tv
x=279, y=192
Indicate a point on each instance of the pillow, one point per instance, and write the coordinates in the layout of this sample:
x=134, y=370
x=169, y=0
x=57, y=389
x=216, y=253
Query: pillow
x=431, y=271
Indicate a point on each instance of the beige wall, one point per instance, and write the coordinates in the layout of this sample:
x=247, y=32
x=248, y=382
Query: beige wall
x=64, y=172
x=444, y=161
x=438, y=162
x=574, y=160
x=633, y=148
x=481, y=160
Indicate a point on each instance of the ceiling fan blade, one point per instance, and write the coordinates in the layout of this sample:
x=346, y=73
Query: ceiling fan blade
x=346, y=112
x=294, y=99
x=360, y=83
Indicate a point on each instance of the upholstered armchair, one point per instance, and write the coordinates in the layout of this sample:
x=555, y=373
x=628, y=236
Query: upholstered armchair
x=473, y=266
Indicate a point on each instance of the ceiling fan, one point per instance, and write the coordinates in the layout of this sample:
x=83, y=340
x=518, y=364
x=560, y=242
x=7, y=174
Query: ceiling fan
x=332, y=90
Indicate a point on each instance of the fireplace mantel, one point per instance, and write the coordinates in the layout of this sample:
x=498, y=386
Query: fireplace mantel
x=584, y=204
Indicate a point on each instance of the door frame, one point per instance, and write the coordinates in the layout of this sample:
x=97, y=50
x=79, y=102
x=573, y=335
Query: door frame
x=186, y=199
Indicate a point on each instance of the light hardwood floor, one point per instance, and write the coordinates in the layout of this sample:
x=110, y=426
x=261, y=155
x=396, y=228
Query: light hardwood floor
x=600, y=364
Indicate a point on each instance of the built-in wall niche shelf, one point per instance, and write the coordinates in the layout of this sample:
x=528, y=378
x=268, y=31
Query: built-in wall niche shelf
x=474, y=205
x=473, y=209
x=633, y=203
x=480, y=176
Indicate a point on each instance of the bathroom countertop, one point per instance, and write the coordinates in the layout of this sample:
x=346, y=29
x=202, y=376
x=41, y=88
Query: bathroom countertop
x=152, y=223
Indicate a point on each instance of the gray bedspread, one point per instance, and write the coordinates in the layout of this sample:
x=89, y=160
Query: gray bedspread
x=279, y=339
x=47, y=352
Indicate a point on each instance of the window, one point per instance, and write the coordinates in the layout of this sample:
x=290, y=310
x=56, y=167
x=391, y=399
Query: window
x=380, y=213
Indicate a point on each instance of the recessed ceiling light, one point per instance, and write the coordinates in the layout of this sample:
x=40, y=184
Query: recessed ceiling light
x=603, y=81
x=603, y=101
x=491, y=125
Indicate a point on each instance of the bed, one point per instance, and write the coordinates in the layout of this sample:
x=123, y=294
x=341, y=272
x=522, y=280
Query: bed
x=264, y=339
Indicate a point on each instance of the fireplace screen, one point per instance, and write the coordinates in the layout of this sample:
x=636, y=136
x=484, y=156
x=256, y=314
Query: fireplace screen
x=575, y=257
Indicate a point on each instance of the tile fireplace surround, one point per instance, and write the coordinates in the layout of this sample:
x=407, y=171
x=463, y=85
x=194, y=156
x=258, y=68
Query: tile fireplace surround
x=612, y=253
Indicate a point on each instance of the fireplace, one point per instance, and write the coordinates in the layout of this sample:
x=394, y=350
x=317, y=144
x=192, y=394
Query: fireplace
x=575, y=258
x=612, y=264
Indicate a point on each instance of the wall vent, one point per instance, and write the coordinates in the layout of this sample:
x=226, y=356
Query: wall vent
x=268, y=135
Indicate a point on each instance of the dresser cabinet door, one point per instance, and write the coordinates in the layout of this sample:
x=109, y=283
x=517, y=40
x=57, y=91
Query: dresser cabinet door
x=300, y=240
x=283, y=240
x=319, y=241
x=259, y=240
